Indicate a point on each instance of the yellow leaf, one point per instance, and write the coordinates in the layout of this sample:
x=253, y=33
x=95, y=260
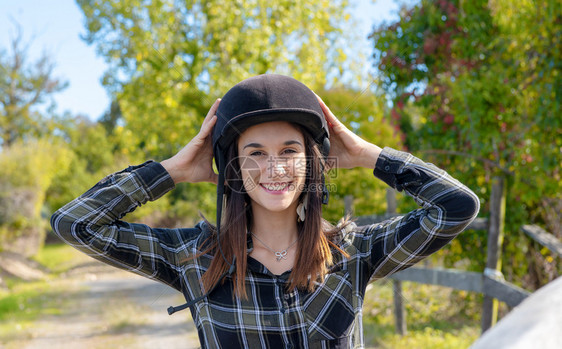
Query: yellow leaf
x=169, y=101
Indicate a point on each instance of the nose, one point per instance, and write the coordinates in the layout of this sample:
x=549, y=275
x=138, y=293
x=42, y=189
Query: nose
x=278, y=168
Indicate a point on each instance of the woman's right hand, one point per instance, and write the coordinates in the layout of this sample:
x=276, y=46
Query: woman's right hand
x=194, y=163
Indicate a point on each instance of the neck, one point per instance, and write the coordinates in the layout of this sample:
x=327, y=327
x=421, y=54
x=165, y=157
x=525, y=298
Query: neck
x=277, y=229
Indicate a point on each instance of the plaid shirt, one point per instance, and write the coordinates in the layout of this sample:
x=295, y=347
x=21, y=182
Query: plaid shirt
x=271, y=316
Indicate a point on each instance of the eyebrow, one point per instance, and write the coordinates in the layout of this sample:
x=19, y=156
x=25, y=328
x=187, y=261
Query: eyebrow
x=257, y=145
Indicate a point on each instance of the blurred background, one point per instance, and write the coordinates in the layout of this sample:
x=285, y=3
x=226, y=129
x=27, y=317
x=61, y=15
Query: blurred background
x=90, y=87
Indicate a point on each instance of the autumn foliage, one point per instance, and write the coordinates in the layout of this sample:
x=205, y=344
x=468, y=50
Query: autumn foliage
x=476, y=85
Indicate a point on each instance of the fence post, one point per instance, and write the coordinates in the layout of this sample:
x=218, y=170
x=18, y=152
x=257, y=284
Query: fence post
x=399, y=311
x=495, y=240
x=390, y=201
x=348, y=204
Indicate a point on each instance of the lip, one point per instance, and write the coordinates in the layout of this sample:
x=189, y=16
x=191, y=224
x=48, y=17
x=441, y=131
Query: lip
x=276, y=192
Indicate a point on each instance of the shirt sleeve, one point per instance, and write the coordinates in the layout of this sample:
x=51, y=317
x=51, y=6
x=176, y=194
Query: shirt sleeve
x=446, y=208
x=91, y=223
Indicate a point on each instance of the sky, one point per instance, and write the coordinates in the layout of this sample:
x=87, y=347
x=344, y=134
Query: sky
x=55, y=27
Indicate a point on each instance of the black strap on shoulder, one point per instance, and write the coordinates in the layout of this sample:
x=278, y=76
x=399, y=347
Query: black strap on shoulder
x=189, y=303
x=172, y=310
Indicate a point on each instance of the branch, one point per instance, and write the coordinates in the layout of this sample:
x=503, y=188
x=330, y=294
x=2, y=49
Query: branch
x=527, y=181
x=479, y=158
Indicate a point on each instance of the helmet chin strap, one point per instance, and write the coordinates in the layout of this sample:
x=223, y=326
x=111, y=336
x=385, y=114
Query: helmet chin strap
x=325, y=152
x=326, y=147
x=325, y=193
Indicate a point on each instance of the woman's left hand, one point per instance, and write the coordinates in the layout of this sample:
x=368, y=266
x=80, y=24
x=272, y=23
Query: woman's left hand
x=346, y=148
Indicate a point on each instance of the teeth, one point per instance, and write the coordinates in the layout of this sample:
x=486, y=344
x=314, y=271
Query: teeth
x=276, y=186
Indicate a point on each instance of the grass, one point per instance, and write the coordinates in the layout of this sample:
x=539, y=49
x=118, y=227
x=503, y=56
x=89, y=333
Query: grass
x=23, y=302
x=436, y=317
x=60, y=258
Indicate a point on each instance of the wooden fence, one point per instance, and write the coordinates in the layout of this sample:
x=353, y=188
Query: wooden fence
x=490, y=282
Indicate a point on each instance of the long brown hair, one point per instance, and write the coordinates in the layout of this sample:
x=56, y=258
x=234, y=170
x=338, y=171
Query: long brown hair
x=315, y=234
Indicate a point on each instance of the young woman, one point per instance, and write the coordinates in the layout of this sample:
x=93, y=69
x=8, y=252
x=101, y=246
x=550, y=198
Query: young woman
x=272, y=273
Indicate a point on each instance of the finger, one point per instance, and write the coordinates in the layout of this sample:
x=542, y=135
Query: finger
x=330, y=117
x=214, y=108
x=212, y=111
x=205, y=131
x=208, y=126
x=209, y=120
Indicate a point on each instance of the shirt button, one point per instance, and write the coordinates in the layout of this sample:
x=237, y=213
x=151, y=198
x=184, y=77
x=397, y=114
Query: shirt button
x=387, y=168
x=286, y=296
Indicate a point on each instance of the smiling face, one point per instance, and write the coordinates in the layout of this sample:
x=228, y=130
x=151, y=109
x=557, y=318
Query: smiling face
x=273, y=164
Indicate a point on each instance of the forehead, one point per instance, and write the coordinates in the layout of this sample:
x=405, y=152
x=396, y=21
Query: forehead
x=271, y=133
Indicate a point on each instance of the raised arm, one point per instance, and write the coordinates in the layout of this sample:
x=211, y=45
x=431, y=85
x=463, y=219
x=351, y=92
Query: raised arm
x=447, y=206
x=92, y=222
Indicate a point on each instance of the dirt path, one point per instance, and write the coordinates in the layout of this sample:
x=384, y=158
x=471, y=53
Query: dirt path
x=104, y=307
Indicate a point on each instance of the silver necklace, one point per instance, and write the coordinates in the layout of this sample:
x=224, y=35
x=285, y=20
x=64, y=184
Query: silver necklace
x=279, y=254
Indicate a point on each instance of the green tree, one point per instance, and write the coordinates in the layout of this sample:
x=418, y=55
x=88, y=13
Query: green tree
x=112, y=117
x=478, y=83
x=23, y=87
x=91, y=156
x=27, y=170
x=29, y=158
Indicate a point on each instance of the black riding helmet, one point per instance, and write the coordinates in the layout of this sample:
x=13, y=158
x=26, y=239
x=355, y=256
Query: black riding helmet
x=265, y=98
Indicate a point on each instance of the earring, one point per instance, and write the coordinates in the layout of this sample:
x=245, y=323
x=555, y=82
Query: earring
x=301, y=209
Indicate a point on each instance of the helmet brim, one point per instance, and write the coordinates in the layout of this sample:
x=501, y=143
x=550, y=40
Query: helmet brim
x=310, y=120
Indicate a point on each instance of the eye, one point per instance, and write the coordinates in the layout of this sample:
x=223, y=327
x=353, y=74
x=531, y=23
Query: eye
x=256, y=153
x=289, y=151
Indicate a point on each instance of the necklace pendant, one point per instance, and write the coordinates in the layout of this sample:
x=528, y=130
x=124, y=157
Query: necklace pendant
x=281, y=255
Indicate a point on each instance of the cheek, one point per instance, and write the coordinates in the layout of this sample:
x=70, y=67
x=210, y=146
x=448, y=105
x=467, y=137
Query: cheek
x=249, y=168
x=299, y=167
x=252, y=175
